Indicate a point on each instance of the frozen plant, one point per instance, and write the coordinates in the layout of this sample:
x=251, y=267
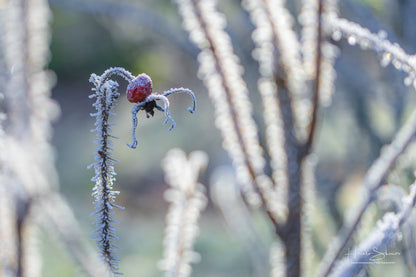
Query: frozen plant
x=29, y=196
x=186, y=199
x=296, y=81
x=105, y=90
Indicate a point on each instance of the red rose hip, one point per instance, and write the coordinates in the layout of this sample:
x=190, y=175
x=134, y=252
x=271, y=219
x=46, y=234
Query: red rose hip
x=139, y=89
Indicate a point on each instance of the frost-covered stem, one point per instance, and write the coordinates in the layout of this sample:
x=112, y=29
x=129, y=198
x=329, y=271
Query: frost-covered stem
x=105, y=210
x=391, y=52
x=106, y=94
x=134, y=112
x=372, y=182
x=290, y=232
x=221, y=73
x=26, y=162
x=378, y=240
x=212, y=45
x=188, y=91
x=116, y=71
x=317, y=83
x=272, y=114
x=187, y=200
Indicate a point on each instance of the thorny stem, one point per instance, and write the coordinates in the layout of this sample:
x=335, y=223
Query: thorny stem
x=181, y=243
x=104, y=179
x=251, y=170
x=106, y=93
x=372, y=182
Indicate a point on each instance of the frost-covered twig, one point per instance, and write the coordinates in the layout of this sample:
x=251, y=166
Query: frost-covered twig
x=317, y=79
x=187, y=199
x=272, y=114
x=26, y=159
x=372, y=249
x=388, y=51
x=221, y=72
x=372, y=181
x=139, y=91
x=105, y=91
x=285, y=39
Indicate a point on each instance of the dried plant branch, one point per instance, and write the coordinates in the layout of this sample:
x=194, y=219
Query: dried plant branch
x=288, y=63
x=221, y=73
x=187, y=199
x=27, y=111
x=139, y=91
x=379, y=239
x=389, y=52
x=372, y=182
x=275, y=138
x=289, y=78
x=106, y=93
x=317, y=81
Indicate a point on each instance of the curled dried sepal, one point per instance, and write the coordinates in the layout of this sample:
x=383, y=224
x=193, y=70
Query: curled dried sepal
x=149, y=104
x=139, y=91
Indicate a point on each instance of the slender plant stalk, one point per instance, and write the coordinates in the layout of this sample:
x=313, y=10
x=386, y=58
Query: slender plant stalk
x=372, y=182
x=317, y=83
x=106, y=93
x=378, y=240
x=186, y=199
x=230, y=97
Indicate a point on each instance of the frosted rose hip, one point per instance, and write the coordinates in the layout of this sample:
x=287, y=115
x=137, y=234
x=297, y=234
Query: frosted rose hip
x=139, y=88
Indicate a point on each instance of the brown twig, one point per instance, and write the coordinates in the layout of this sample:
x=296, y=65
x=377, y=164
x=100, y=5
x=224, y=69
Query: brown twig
x=315, y=101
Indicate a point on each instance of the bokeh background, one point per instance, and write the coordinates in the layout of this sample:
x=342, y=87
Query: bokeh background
x=369, y=104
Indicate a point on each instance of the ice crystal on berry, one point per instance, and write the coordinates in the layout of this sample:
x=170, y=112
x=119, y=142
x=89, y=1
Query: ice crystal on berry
x=139, y=89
